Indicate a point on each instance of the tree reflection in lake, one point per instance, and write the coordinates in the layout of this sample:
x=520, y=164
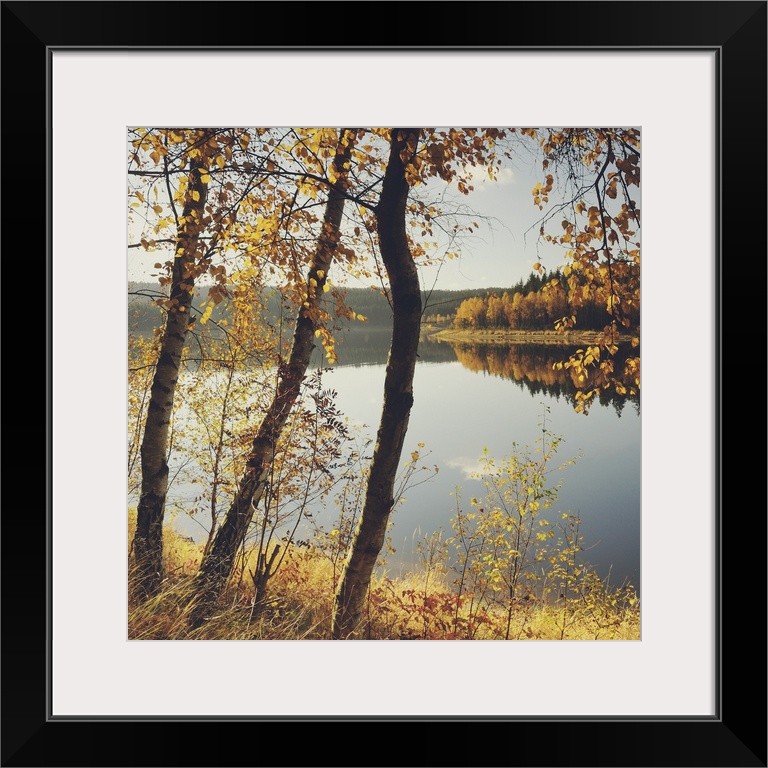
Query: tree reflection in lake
x=532, y=366
x=472, y=397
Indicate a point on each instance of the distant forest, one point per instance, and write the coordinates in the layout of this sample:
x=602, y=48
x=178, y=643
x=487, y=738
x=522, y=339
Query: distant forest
x=535, y=303
x=144, y=316
x=542, y=302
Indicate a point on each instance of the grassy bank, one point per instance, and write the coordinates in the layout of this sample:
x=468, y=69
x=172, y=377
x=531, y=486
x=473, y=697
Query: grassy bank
x=424, y=605
x=500, y=336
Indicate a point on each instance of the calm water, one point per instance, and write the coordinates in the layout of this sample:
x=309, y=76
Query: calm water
x=470, y=398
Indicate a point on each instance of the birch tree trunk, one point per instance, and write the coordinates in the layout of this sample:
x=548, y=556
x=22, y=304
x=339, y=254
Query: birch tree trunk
x=148, y=538
x=371, y=530
x=216, y=566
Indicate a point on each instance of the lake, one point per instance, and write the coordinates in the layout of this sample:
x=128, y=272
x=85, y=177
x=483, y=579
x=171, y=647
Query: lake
x=471, y=397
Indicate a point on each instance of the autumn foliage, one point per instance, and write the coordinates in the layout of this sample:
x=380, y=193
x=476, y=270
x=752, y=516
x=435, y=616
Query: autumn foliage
x=226, y=214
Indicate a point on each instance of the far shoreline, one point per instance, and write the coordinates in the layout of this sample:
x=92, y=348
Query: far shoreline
x=502, y=336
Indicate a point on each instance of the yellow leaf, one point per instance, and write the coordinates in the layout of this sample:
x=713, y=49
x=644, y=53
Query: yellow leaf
x=326, y=288
x=207, y=314
x=157, y=208
x=205, y=178
x=220, y=161
x=195, y=195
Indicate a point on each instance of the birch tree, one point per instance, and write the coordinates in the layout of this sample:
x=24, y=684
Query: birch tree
x=148, y=539
x=217, y=564
x=171, y=171
x=398, y=386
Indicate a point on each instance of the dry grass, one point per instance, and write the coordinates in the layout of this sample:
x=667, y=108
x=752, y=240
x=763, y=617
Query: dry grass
x=417, y=606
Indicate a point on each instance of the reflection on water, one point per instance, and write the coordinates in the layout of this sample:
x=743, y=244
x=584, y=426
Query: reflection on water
x=364, y=345
x=532, y=366
x=472, y=397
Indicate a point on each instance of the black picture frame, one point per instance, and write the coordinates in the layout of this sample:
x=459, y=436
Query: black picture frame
x=736, y=735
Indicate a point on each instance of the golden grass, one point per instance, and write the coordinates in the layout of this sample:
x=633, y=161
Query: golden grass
x=414, y=606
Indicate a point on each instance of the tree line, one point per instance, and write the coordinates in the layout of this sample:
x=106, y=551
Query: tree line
x=239, y=209
x=145, y=315
x=545, y=301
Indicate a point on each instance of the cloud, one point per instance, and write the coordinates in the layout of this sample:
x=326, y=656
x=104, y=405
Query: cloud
x=478, y=177
x=468, y=467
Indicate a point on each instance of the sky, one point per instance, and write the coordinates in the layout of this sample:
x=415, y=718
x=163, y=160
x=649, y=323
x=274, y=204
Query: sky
x=501, y=251
x=506, y=245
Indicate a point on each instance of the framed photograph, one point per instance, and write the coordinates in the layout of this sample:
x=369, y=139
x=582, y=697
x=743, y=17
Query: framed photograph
x=691, y=77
